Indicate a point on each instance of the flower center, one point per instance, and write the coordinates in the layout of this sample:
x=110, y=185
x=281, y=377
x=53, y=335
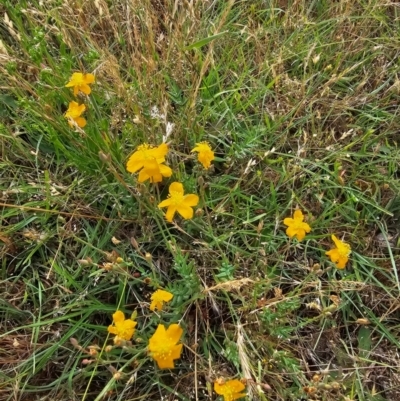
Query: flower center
x=164, y=351
x=73, y=113
x=229, y=392
x=176, y=198
x=80, y=80
x=146, y=152
x=297, y=224
x=122, y=332
x=344, y=251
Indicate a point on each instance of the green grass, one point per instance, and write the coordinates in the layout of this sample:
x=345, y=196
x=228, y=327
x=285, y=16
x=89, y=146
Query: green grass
x=299, y=100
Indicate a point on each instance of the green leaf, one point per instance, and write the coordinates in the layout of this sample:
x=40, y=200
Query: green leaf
x=364, y=341
x=204, y=41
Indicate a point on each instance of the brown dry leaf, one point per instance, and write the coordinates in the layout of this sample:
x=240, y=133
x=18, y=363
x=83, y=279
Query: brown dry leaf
x=278, y=293
x=335, y=299
x=9, y=244
x=229, y=285
x=115, y=241
x=363, y=321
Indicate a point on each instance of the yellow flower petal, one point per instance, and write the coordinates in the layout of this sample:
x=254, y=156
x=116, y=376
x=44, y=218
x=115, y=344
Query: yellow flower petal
x=336, y=240
x=159, y=335
x=333, y=254
x=165, y=170
x=165, y=203
x=75, y=110
x=185, y=211
x=80, y=121
x=305, y=227
x=155, y=305
x=165, y=363
x=76, y=78
x=288, y=221
x=300, y=234
x=170, y=213
x=89, y=78
x=341, y=263
x=160, y=152
x=191, y=200
x=176, y=187
x=174, y=332
x=134, y=165
x=298, y=215
x=150, y=172
x=291, y=231
x=176, y=351
x=112, y=329
x=118, y=316
x=85, y=89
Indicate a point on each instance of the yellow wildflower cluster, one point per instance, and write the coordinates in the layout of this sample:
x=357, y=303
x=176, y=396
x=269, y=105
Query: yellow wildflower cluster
x=163, y=345
x=297, y=228
x=80, y=82
x=149, y=161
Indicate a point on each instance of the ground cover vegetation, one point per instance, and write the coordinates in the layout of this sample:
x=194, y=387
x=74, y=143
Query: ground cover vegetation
x=199, y=200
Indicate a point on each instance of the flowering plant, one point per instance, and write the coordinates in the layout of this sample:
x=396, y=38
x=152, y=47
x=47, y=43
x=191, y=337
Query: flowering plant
x=230, y=389
x=163, y=345
x=73, y=114
x=80, y=82
x=206, y=154
x=122, y=328
x=158, y=298
x=340, y=254
x=178, y=202
x=149, y=160
x=296, y=227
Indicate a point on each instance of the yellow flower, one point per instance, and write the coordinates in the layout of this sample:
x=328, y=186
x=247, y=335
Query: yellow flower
x=154, y=172
x=178, y=202
x=74, y=113
x=158, y=298
x=123, y=328
x=296, y=227
x=340, y=254
x=230, y=389
x=150, y=160
x=80, y=82
x=206, y=155
x=163, y=345
x=144, y=154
